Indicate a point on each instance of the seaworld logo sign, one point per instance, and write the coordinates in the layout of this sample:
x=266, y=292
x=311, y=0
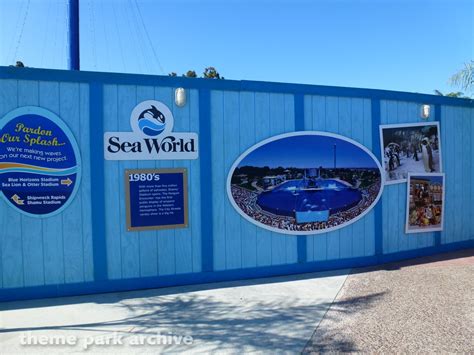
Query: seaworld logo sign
x=151, y=137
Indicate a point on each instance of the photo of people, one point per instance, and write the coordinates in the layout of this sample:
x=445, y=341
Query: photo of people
x=425, y=203
x=410, y=148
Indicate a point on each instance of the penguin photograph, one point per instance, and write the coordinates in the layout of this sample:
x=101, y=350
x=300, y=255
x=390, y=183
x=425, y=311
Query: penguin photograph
x=410, y=148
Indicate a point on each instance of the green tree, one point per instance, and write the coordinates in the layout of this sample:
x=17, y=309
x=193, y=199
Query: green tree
x=211, y=73
x=190, y=74
x=457, y=94
x=464, y=78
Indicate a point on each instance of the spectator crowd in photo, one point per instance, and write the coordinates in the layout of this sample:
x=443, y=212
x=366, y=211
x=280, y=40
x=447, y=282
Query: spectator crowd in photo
x=247, y=202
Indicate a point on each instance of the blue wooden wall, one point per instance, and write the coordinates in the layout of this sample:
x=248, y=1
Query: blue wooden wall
x=350, y=117
x=58, y=249
x=86, y=248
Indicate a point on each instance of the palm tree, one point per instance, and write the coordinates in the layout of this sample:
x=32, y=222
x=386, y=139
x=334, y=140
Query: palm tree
x=457, y=94
x=464, y=78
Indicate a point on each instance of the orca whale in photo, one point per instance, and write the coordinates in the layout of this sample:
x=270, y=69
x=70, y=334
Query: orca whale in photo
x=151, y=121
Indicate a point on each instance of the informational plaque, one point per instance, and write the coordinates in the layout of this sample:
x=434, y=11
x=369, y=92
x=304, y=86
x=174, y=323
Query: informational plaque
x=156, y=199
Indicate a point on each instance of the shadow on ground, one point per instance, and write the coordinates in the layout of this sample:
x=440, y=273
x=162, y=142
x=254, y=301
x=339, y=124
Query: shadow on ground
x=238, y=326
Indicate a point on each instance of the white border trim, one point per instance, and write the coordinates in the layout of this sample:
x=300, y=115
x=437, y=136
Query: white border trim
x=407, y=214
x=404, y=125
x=293, y=134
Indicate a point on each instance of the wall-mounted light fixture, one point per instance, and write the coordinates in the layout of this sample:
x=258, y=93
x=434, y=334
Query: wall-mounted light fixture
x=180, y=97
x=425, y=111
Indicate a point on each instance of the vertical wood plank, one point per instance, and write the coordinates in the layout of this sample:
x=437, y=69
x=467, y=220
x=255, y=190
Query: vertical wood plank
x=320, y=244
x=345, y=129
x=147, y=239
x=31, y=228
x=52, y=226
x=72, y=225
x=467, y=162
x=194, y=187
x=231, y=135
x=127, y=99
x=277, y=119
x=114, y=220
x=84, y=142
x=458, y=173
x=218, y=178
x=308, y=126
x=11, y=236
x=183, y=242
x=291, y=245
x=357, y=122
x=262, y=131
x=369, y=219
x=332, y=125
x=166, y=240
x=247, y=139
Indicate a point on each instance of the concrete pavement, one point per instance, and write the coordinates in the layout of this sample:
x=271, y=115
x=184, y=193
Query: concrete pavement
x=273, y=315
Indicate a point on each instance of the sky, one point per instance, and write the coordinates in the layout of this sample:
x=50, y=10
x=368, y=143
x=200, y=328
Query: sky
x=308, y=151
x=402, y=45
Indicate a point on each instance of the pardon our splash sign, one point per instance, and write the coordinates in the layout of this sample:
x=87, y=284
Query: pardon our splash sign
x=39, y=162
x=151, y=137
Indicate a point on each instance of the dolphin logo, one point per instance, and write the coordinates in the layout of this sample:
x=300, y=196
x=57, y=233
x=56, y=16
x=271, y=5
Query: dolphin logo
x=151, y=121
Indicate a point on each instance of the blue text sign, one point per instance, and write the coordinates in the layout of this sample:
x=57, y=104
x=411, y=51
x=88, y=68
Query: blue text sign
x=39, y=162
x=156, y=199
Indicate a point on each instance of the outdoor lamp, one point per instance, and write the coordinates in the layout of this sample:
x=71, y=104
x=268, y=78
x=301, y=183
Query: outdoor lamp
x=180, y=97
x=425, y=111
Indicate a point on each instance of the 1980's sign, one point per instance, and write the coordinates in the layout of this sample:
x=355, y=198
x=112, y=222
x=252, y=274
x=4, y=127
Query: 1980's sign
x=156, y=199
x=39, y=161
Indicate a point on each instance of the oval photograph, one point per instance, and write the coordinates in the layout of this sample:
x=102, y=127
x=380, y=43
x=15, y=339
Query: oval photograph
x=305, y=183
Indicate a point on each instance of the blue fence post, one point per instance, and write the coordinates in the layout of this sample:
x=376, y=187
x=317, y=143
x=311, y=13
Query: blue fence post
x=375, y=115
x=96, y=132
x=207, y=246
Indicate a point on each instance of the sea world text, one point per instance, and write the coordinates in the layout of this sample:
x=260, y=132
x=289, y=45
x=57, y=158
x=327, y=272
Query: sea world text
x=121, y=146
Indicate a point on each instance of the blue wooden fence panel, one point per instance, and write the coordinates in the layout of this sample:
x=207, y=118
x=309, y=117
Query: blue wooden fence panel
x=238, y=121
x=149, y=253
x=58, y=249
x=12, y=239
x=350, y=117
x=457, y=129
x=45, y=256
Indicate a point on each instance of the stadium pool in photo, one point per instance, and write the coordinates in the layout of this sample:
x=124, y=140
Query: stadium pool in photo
x=318, y=198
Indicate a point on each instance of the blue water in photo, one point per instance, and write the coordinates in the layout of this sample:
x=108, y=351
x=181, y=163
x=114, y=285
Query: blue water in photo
x=299, y=196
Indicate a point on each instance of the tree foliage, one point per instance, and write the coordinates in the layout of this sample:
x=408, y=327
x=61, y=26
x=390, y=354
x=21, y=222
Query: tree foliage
x=457, y=94
x=209, y=73
x=464, y=78
x=18, y=64
x=190, y=74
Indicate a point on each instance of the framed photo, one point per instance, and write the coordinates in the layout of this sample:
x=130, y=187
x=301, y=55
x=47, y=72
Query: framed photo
x=305, y=182
x=425, y=203
x=410, y=148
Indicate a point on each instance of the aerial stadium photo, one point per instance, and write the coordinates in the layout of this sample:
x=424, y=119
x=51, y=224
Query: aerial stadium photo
x=305, y=183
